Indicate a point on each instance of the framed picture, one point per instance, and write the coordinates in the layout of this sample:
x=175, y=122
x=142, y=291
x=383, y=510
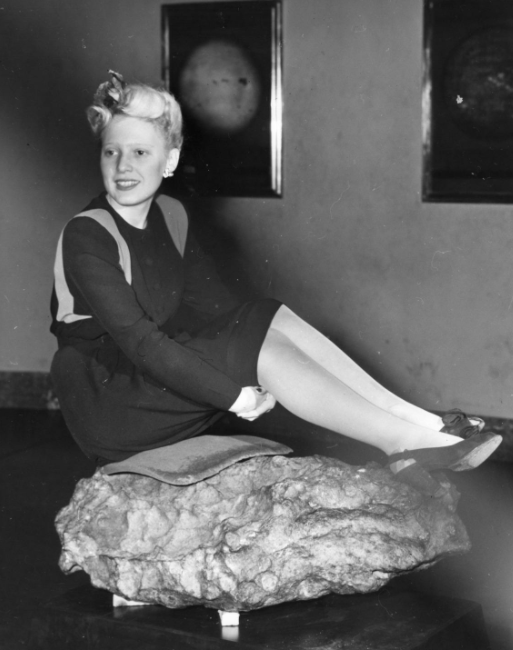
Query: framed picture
x=468, y=101
x=222, y=61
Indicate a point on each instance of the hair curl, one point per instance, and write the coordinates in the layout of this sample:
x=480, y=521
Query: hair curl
x=148, y=103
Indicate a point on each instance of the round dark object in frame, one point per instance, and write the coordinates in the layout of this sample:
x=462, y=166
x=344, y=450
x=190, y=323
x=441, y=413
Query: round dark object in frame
x=478, y=84
x=220, y=87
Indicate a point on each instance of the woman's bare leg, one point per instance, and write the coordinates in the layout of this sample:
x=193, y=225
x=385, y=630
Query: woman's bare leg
x=310, y=391
x=319, y=348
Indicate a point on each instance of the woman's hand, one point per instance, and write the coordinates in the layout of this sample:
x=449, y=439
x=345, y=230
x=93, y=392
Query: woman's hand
x=252, y=402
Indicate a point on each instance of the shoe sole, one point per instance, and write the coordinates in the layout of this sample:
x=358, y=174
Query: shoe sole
x=477, y=456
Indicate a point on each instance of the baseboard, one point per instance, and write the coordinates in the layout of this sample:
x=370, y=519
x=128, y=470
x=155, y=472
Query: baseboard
x=27, y=390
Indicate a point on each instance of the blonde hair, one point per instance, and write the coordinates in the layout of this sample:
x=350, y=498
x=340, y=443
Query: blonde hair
x=155, y=105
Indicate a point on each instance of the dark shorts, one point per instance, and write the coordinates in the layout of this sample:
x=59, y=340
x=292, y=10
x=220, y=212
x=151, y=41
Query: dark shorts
x=114, y=411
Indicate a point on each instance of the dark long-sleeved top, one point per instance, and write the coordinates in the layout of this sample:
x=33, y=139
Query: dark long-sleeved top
x=142, y=317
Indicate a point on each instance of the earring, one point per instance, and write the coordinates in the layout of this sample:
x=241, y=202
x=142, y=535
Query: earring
x=168, y=171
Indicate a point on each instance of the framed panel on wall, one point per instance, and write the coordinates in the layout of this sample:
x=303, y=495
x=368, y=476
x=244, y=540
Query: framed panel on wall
x=468, y=101
x=222, y=61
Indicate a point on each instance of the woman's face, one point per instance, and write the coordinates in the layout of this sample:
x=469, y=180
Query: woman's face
x=133, y=158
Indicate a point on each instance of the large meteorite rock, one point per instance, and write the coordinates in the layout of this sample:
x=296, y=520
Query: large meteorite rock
x=261, y=532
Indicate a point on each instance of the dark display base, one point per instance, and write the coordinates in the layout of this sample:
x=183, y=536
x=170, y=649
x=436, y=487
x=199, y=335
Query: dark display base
x=84, y=619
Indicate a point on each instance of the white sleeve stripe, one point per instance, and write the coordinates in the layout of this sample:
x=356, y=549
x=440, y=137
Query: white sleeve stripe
x=176, y=220
x=65, y=299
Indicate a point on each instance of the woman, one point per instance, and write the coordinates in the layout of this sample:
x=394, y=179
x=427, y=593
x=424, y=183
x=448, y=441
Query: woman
x=139, y=366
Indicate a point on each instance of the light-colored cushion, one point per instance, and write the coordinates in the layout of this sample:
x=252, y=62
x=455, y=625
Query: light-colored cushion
x=195, y=459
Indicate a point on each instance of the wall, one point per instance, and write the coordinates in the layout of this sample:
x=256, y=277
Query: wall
x=419, y=293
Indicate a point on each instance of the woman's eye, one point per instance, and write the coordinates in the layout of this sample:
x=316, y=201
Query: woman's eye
x=108, y=153
x=141, y=152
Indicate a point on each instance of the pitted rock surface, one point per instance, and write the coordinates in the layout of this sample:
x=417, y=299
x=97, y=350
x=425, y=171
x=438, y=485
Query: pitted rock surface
x=261, y=532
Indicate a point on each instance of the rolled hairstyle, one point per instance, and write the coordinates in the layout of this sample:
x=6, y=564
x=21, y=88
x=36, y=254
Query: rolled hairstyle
x=155, y=105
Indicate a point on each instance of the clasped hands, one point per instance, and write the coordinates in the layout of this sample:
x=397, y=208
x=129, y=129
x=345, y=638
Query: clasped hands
x=252, y=402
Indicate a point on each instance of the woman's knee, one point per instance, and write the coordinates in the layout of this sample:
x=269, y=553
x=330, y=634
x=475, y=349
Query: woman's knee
x=273, y=347
x=284, y=319
x=274, y=339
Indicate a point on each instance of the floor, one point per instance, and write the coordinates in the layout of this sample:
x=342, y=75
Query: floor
x=40, y=465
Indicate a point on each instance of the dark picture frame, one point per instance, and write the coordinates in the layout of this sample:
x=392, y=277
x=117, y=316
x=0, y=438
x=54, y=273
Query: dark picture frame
x=223, y=62
x=468, y=101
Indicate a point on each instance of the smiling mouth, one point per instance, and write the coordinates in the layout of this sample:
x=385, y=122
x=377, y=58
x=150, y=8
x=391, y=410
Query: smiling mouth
x=126, y=185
